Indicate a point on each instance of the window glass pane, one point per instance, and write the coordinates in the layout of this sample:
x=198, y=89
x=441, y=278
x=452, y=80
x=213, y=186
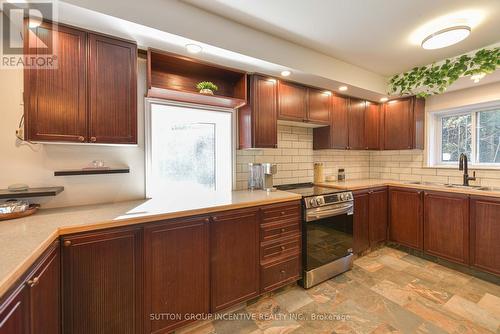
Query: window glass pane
x=488, y=136
x=456, y=137
x=191, y=152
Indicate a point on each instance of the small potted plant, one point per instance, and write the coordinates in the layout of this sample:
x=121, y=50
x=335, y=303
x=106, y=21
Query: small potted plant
x=207, y=87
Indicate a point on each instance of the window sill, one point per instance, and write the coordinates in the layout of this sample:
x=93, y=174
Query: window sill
x=476, y=167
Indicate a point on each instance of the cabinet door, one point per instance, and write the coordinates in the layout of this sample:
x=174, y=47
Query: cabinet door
x=234, y=239
x=446, y=226
x=339, y=127
x=55, y=99
x=405, y=219
x=319, y=105
x=45, y=294
x=397, y=124
x=378, y=216
x=292, y=102
x=357, y=124
x=112, y=90
x=177, y=274
x=485, y=233
x=102, y=282
x=14, y=313
x=372, y=126
x=264, y=108
x=361, y=217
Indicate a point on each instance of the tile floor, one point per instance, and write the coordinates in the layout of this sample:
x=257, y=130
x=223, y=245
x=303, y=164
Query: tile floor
x=388, y=291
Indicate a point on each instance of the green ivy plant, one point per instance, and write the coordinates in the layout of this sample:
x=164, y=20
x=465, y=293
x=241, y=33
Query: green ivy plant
x=207, y=85
x=435, y=78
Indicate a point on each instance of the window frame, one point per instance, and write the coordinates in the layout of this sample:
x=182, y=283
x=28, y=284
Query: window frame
x=148, y=102
x=434, y=135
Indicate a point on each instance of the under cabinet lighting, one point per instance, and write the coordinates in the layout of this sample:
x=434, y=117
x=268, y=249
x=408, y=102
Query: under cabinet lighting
x=446, y=37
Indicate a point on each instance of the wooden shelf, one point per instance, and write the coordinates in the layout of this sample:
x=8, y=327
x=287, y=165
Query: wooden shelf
x=72, y=172
x=174, y=77
x=31, y=192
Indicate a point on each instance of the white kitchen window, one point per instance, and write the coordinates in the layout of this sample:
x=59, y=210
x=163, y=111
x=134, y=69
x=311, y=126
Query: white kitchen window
x=189, y=150
x=474, y=131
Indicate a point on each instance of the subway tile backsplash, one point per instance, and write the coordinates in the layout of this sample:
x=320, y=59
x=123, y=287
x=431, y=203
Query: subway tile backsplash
x=295, y=157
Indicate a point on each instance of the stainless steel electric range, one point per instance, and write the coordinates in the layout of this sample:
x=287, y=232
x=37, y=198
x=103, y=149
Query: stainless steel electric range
x=327, y=226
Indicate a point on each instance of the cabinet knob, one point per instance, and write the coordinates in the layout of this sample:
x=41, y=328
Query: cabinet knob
x=283, y=230
x=206, y=220
x=283, y=272
x=33, y=282
x=282, y=213
x=81, y=138
x=283, y=247
x=67, y=243
x=93, y=139
x=214, y=219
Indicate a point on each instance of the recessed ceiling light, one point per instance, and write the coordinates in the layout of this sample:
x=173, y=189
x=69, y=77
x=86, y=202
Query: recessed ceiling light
x=193, y=48
x=343, y=88
x=285, y=73
x=327, y=92
x=383, y=99
x=446, y=37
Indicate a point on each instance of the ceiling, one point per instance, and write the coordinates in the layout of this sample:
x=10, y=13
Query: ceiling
x=382, y=36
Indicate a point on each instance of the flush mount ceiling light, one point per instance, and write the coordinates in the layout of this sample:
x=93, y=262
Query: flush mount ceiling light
x=285, y=73
x=193, y=48
x=343, y=88
x=446, y=37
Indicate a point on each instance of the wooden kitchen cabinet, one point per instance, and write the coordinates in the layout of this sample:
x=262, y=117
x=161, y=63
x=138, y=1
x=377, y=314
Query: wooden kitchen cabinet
x=372, y=126
x=485, y=233
x=90, y=97
x=403, y=126
x=102, y=282
x=15, y=312
x=319, y=104
x=177, y=276
x=446, y=226
x=361, y=234
x=55, y=100
x=234, y=241
x=292, y=102
x=335, y=136
x=257, y=121
x=406, y=217
x=377, y=215
x=356, y=124
x=112, y=90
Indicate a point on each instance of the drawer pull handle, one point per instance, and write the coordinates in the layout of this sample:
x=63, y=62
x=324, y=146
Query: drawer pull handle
x=33, y=282
x=67, y=243
x=81, y=138
x=283, y=230
x=283, y=247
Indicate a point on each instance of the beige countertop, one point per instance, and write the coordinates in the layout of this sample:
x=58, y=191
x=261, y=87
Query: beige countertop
x=24, y=240
x=372, y=183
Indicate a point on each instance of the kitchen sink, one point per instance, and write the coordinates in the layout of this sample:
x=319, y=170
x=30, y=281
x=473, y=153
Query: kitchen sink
x=426, y=183
x=489, y=188
x=460, y=186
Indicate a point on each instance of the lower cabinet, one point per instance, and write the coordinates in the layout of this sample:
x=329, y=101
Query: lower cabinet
x=102, y=282
x=177, y=276
x=446, y=226
x=405, y=217
x=370, y=218
x=485, y=233
x=234, y=246
x=34, y=307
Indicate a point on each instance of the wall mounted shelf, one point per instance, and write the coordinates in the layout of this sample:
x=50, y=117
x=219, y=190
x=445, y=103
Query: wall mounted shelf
x=72, y=172
x=31, y=192
x=174, y=77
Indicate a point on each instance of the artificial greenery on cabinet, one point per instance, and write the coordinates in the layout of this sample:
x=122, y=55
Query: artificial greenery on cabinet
x=436, y=78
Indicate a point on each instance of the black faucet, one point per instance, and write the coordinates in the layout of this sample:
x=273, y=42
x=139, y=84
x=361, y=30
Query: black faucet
x=462, y=165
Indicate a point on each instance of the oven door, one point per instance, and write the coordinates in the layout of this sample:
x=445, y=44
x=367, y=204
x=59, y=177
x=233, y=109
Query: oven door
x=328, y=234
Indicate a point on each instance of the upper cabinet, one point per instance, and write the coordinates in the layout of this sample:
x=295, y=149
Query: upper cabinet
x=335, y=135
x=112, y=90
x=91, y=94
x=357, y=124
x=404, y=124
x=319, y=105
x=292, y=102
x=257, y=120
x=175, y=77
x=372, y=125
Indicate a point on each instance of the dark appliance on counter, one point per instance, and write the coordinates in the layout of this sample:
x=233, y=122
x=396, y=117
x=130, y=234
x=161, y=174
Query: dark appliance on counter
x=327, y=225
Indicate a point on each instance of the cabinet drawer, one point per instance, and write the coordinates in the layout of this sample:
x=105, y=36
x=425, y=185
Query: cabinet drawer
x=280, y=248
x=281, y=212
x=286, y=228
x=281, y=273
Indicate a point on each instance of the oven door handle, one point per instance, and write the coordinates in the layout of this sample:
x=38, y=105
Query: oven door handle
x=345, y=209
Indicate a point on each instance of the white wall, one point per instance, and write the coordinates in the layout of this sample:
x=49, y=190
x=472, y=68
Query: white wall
x=34, y=164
